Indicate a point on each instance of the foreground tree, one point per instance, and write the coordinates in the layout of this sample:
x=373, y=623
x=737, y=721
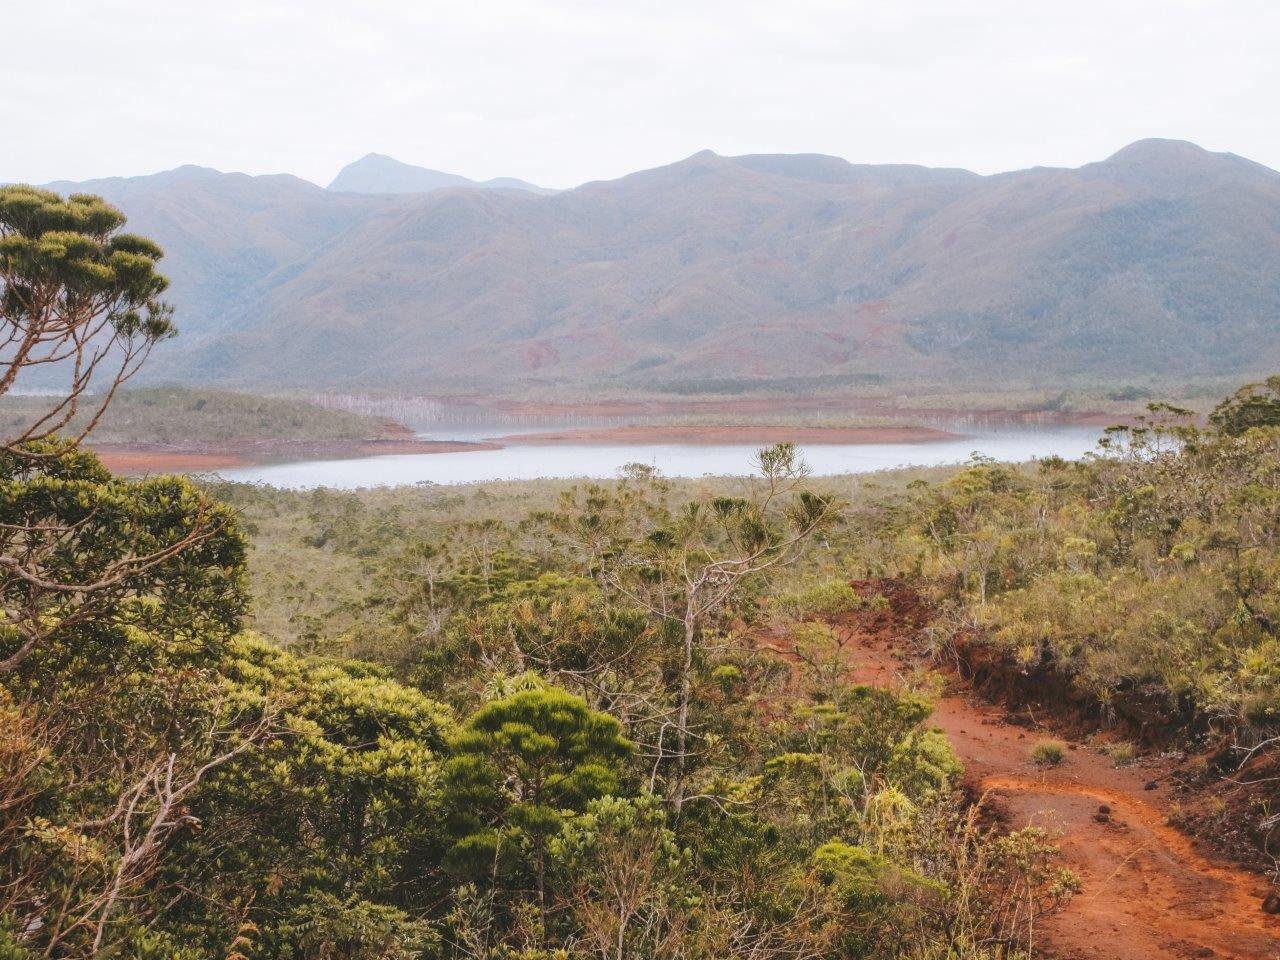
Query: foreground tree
x=626, y=881
x=521, y=765
x=115, y=596
x=78, y=299
x=80, y=547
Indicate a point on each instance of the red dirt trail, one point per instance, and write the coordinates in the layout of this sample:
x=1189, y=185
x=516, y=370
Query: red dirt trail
x=1148, y=892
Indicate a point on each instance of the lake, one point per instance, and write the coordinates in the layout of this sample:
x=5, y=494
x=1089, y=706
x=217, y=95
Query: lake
x=999, y=440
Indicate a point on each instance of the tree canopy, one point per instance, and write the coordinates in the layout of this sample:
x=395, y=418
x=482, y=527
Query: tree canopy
x=80, y=301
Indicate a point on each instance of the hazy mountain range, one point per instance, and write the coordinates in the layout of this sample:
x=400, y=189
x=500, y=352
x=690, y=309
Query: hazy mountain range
x=1163, y=258
x=378, y=173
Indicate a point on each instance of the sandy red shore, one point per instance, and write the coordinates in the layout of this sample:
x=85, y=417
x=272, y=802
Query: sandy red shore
x=121, y=459
x=675, y=433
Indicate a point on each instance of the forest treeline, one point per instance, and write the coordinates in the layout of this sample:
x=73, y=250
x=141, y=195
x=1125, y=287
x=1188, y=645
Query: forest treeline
x=615, y=722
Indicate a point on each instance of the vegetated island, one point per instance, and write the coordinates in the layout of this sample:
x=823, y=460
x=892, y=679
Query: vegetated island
x=179, y=430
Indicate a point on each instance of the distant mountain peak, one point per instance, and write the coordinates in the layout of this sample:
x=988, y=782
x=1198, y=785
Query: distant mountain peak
x=1166, y=167
x=193, y=169
x=1163, y=150
x=1183, y=153
x=379, y=173
x=1167, y=146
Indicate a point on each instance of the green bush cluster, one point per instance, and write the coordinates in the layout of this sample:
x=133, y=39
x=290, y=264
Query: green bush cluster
x=1151, y=567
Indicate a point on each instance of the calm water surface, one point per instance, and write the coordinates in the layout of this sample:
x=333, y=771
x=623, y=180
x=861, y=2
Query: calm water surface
x=1001, y=441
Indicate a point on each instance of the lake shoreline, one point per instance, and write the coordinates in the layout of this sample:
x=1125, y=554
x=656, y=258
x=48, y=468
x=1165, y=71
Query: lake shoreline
x=731, y=434
x=207, y=457
x=572, y=461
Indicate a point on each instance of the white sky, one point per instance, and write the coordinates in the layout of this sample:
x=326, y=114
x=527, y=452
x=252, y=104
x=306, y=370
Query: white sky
x=563, y=91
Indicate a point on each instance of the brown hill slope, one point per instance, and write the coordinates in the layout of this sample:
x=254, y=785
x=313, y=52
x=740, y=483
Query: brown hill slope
x=1163, y=258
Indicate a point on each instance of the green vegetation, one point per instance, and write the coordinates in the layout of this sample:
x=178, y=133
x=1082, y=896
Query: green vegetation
x=1121, y=753
x=1144, y=574
x=327, y=565
x=1143, y=577
x=1049, y=753
x=1253, y=405
x=1147, y=575
x=181, y=417
x=80, y=299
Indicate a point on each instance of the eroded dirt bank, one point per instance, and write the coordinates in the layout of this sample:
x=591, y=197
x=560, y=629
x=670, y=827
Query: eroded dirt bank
x=1149, y=892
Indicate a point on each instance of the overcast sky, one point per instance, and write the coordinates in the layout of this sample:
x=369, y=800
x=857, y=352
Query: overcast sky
x=562, y=91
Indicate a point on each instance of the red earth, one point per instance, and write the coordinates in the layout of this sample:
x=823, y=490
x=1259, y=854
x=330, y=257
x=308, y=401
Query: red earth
x=1149, y=892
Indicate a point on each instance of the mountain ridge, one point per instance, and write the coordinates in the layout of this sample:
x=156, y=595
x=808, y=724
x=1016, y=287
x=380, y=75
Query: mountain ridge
x=379, y=173
x=1158, y=260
